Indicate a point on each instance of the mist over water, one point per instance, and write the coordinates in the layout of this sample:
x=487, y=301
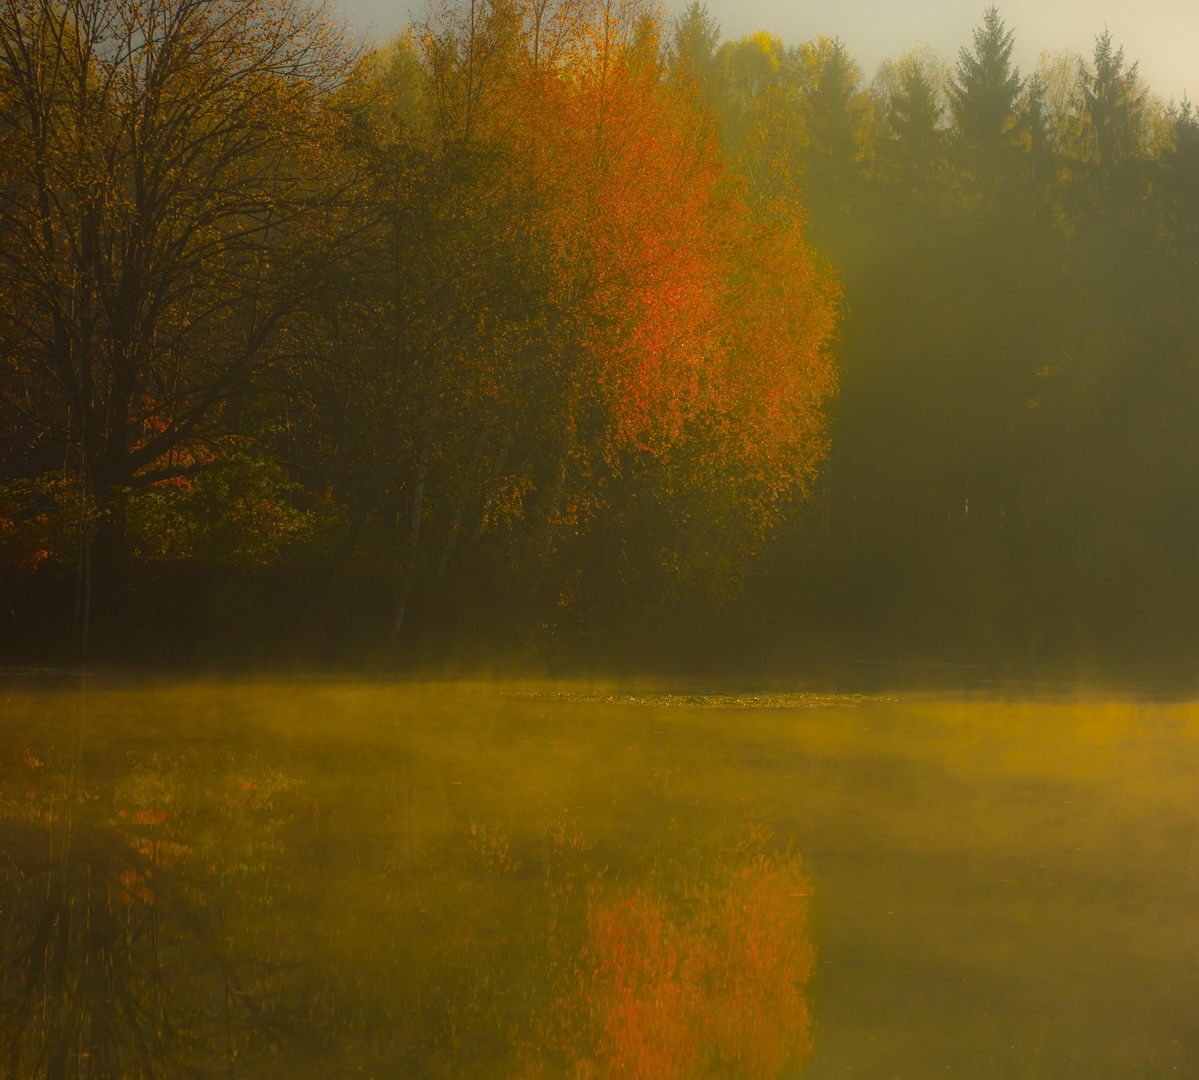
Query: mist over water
x=273, y=879
x=582, y=337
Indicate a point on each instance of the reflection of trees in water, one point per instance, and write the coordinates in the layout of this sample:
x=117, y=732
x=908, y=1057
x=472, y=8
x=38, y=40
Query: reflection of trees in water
x=96, y=934
x=116, y=891
x=709, y=983
x=153, y=923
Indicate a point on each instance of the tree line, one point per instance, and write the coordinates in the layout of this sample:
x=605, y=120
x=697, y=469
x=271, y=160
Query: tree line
x=1013, y=456
x=309, y=347
x=570, y=328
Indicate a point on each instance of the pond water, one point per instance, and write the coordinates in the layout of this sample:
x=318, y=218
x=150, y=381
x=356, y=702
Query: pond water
x=320, y=879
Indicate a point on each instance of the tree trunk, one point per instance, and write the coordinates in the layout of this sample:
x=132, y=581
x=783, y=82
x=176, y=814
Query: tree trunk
x=12, y=611
x=418, y=499
x=493, y=485
x=452, y=540
x=547, y=543
x=357, y=521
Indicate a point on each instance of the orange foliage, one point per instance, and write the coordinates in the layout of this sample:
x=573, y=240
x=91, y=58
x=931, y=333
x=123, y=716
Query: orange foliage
x=705, y=324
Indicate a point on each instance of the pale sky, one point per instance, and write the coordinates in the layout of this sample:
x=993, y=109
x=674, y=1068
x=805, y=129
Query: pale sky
x=1162, y=34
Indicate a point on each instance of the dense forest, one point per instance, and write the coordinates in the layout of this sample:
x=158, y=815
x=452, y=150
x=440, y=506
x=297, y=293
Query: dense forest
x=568, y=333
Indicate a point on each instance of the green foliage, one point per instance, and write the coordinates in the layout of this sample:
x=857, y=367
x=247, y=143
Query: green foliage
x=240, y=510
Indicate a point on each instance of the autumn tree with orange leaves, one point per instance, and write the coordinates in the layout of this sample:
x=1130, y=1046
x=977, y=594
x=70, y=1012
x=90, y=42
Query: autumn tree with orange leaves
x=621, y=378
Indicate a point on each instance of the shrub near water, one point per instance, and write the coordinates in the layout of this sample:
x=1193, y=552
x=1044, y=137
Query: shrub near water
x=711, y=985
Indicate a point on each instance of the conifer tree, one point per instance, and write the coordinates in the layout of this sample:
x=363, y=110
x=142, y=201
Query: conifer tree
x=1112, y=103
x=914, y=117
x=696, y=37
x=986, y=88
x=834, y=108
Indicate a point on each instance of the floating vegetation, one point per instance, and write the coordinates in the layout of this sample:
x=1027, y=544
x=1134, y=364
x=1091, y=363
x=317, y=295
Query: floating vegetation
x=708, y=701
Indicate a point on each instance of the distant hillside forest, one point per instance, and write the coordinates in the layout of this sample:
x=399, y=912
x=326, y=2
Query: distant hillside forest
x=566, y=333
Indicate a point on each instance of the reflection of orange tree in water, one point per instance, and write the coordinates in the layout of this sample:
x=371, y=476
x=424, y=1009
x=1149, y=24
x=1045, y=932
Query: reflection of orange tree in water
x=111, y=961
x=709, y=985
x=151, y=922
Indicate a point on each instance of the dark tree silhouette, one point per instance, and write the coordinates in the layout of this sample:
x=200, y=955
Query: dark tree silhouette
x=986, y=88
x=161, y=176
x=1112, y=104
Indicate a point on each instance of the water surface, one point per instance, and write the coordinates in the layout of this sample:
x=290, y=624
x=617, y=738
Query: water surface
x=484, y=880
